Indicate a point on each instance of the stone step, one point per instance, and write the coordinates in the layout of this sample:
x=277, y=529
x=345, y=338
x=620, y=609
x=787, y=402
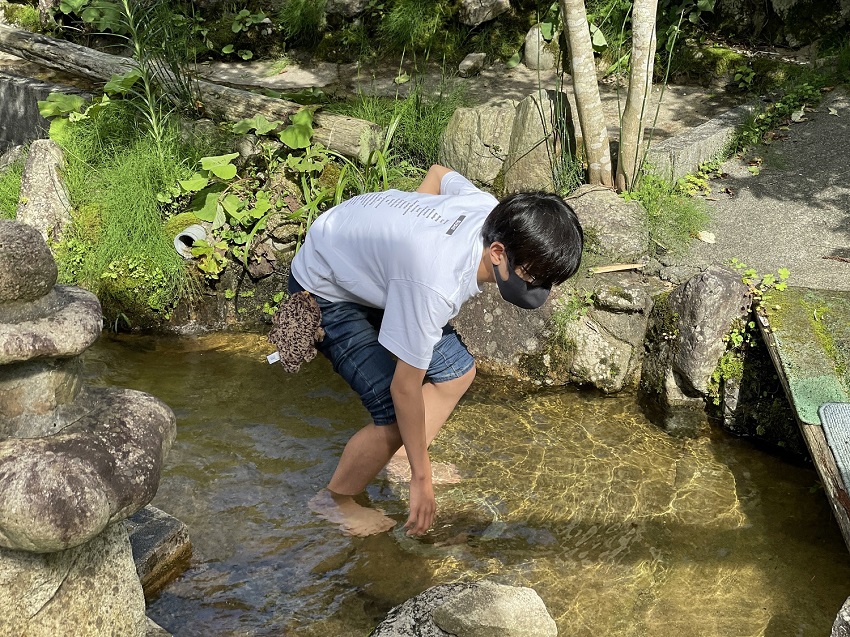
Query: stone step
x=161, y=548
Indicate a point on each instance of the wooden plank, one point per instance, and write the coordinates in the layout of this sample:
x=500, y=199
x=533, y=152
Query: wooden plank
x=349, y=136
x=811, y=376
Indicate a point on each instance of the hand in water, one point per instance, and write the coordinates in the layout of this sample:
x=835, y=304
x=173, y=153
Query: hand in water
x=423, y=506
x=352, y=518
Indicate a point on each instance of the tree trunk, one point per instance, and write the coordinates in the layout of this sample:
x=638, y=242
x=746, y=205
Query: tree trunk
x=588, y=103
x=630, y=159
x=354, y=138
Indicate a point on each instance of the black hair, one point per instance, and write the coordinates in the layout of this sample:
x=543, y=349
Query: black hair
x=540, y=232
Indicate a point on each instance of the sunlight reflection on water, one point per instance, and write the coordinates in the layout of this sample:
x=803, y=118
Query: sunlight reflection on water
x=619, y=527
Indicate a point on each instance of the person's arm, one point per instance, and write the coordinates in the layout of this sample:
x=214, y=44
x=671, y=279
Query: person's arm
x=406, y=391
x=431, y=184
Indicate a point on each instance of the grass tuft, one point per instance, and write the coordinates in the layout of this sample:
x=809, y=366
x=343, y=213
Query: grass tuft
x=10, y=188
x=117, y=247
x=672, y=216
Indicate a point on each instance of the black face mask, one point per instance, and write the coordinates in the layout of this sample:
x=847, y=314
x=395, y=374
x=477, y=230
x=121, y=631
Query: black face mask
x=519, y=292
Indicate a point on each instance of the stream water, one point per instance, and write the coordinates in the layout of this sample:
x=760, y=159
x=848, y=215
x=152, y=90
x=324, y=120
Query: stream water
x=621, y=529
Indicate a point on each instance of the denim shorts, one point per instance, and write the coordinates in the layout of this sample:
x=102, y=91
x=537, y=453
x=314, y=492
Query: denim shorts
x=351, y=345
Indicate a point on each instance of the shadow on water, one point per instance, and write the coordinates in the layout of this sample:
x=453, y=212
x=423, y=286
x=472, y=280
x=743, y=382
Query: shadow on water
x=620, y=528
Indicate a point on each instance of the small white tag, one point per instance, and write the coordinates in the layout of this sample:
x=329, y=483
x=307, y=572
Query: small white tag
x=273, y=358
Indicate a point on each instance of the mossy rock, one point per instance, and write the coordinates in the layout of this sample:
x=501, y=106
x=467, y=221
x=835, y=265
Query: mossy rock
x=23, y=16
x=704, y=64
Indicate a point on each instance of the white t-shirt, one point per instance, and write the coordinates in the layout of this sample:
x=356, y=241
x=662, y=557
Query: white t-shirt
x=414, y=255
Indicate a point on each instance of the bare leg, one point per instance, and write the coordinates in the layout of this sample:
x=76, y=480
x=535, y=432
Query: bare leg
x=442, y=399
x=368, y=452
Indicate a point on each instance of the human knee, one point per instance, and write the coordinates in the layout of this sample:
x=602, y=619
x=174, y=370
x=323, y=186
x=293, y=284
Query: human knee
x=391, y=434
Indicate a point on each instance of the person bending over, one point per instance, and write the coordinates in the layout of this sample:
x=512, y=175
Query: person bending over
x=389, y=270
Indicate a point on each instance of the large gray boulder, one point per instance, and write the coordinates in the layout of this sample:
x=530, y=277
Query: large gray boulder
x=60, y=491
x=476, y=141
x=475, y=12
x=91, y=590
x=481, y=609
x=44, y=202
x=685, y=339
x=601, y=343
x=27, y=269
x=589, y=335
x=614, y=228
x=537, y=53
x=542, y=134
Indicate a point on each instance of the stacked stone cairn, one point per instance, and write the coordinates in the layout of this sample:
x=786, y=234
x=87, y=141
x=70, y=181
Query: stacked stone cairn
x=74, y=460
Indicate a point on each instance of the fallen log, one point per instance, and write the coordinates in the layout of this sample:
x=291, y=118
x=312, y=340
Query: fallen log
x=354, y=138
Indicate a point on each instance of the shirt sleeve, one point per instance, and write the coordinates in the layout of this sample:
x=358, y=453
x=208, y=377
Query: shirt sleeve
x=413, y=321
x=453, y=183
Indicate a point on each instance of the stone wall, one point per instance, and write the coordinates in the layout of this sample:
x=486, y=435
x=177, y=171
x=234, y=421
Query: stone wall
x=20, y=121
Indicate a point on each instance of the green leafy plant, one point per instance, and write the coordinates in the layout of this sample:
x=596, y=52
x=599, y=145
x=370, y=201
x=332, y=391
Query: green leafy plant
x=245, y=20
x=102, y=15
x=271, y=307
x=745, y=76
x=113, y=172
x=779, y=113
x=760, y=287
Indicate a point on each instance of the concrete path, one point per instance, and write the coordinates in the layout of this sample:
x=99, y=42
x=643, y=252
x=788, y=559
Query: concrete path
x=796, y=212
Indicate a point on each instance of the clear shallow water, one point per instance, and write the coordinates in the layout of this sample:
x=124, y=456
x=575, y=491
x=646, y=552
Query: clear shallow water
x=621, y=529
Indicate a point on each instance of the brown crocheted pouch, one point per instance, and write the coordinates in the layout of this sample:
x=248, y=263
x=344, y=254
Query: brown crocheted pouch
x=296, y=328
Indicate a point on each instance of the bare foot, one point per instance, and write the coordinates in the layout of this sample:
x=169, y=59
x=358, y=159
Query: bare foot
x=398, y=470
x=352, y=518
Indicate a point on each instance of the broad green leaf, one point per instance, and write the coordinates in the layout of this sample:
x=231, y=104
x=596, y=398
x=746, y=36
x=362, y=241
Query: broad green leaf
x=205, y=202
x=402, y=78
x=97, y=106
x=258, y=123
x=260, y=208
x=72, y=6
x=121, y=84
x=220, y=217
x=246, y=54
x=232, y=204
x=598, y=38
x=547, y=30
x=693, y=17
x=226, y=172
x=298, y=134
x=236, y=27
x=705, y=5
x=195, y=183
x=207, y=163
x=229, y=48
x=60, y=104
x=514, y=60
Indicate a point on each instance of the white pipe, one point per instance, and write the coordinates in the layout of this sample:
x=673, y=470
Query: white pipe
x=184, y=241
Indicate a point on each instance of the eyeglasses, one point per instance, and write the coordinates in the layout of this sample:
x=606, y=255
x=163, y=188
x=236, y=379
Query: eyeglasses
x=528, y=278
